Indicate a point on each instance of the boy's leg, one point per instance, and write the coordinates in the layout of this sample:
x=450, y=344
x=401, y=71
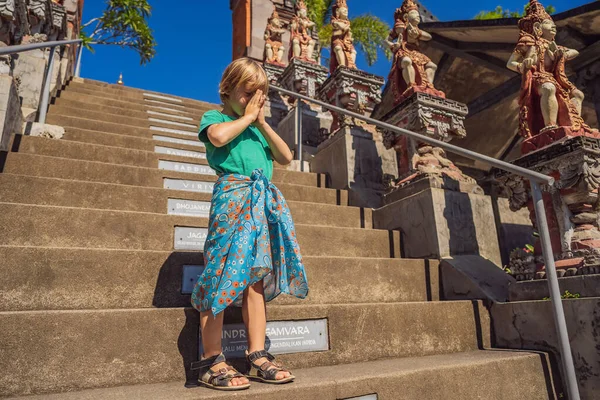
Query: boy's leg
x=255, y=317
x=212, y=327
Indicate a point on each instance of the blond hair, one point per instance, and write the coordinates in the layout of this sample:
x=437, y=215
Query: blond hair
x=242, y=72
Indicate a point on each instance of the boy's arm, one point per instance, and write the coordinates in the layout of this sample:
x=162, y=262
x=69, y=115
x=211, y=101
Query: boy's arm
x=223, y=133
x=281, y=151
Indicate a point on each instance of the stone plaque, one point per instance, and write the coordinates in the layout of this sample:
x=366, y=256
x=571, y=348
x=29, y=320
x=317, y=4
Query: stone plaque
x=189, y=208
x=185, y=167
x=169, y=139
x=158, y=96
x=190, y=186
x=366, y=397
x=171, y=130
x=179, y=152
x=187, y=238
x=191, y=273
x=282, y=337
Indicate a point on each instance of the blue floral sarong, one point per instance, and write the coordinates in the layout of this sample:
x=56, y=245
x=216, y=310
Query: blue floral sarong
x=251, y=236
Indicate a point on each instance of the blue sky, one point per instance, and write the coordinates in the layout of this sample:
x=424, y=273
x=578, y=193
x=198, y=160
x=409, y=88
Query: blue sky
x=194, y=42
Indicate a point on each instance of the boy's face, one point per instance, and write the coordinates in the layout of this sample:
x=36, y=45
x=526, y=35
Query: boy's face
x=240, y=98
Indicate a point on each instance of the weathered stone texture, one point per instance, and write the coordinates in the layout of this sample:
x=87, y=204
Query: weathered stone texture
x=437, y=223
x=11, y=117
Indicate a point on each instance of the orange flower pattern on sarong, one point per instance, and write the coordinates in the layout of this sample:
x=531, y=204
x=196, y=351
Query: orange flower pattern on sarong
x=251, y=237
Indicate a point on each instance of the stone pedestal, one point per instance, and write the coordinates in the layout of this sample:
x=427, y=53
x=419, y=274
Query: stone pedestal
x=571, y=204
x=316, y=125
x=435, y=222
x=303, y=77
x=29, y=71
x=11, y=118
x=432, y=116
x=352, y=89
x=275, y=107
x=355, y=159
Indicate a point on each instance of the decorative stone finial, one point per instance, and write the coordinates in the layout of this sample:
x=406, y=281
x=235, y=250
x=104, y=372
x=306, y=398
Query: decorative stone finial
x=407, y=6
x=120, y=81
x=535, y=13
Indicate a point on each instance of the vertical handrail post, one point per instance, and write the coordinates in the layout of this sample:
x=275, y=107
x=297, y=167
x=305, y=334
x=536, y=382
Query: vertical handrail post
x=78, y=66
x=46, y=89
x=557, y=306
x=296, y=128
x=300, y=156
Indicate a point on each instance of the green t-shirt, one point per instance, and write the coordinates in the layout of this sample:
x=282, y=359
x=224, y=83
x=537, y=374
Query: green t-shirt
x=247, y=152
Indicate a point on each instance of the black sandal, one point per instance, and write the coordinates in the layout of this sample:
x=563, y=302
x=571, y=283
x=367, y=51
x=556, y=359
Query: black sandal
x=267, y=371
x=219, y=379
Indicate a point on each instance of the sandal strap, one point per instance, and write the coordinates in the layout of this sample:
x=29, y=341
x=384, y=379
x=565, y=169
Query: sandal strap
x=260, y=354
x=269, y=368
x=223, y=376
x=208, y=362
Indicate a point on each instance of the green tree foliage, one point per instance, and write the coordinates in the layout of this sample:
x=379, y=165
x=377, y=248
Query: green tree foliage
x=499, y=12
x=369, y=32
x=124, y=23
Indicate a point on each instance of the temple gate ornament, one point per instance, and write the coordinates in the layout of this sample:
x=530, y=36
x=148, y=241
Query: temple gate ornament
x=274, y=48
x=549, y=104
x=412, y=71
x=302, y=45
x=342, y=47
x=39, y=16
x=347, y=87
x=421, y=108
x=557, y=142
x=58, y=28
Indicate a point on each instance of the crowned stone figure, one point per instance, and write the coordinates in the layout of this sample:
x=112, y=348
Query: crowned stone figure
x=412, y=70
x=342, y=48
x=302, y=43
x=549, y=103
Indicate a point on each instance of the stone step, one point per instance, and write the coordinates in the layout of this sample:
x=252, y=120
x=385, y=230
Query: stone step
x=109, y=154
x=489, y=375
x=113, y=89
x=52, y=226
x=65, y=168
x=65, y=102
x=92, y=98
x=36, y=278
x=143, y=121
x=139, y=98
x=110, y=127
x=54, y=351
x=81, y=194
x=148, y=143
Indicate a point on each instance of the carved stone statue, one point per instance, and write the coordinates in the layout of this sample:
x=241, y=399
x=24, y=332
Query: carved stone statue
x=39, y=16
x=302, y=44
x=59, y=22
x=7, y=17
x=342, y=49
x=548, y=100
x=412, y=70
x=273, y=44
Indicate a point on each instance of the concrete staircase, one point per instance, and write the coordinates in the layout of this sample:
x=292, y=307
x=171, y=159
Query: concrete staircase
x=91, y=305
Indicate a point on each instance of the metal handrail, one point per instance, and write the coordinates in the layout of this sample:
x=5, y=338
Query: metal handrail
x=21, y=48
x=535, y=179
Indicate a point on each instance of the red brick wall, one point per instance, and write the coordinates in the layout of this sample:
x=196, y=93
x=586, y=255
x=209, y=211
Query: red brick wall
x=241, y=28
